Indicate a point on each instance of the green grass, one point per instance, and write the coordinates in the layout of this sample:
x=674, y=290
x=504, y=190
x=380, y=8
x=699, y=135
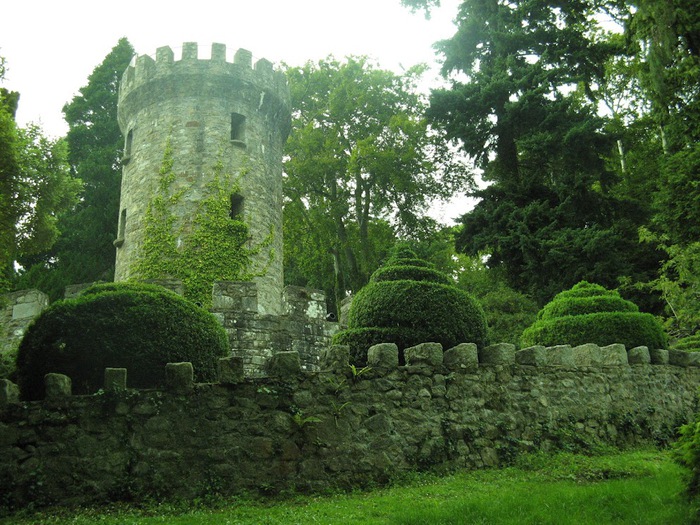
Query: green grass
x=638, y=487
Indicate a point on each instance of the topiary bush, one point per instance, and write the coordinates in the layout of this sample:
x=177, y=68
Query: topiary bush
x=589, y=313
x=135, y=326
x=407, y=302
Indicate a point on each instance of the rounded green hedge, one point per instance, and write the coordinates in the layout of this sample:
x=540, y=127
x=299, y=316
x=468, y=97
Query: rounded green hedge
x=407, y=302
x=135, y=326
x=589, y=313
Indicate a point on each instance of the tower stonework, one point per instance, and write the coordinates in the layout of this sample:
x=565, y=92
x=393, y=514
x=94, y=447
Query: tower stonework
x=213, y=113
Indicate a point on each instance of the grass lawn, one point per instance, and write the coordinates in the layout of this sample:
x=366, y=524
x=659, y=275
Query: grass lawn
x=637, y=487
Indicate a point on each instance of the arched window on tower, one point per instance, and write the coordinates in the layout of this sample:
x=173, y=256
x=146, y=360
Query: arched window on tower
x=238, y=128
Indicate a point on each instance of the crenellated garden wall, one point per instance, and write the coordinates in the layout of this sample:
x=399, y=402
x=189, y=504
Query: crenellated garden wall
x=341, y=427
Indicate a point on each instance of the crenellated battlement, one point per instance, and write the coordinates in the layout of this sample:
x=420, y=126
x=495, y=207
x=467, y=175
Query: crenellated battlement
x=146, y=69
x=216, y=115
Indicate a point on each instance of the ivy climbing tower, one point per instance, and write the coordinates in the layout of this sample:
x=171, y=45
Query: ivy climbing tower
x=203, y=118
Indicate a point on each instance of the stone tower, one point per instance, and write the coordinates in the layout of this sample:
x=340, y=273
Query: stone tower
x=213, y=112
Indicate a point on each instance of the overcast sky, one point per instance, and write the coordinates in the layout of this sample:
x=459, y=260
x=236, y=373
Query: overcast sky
x=51, y=46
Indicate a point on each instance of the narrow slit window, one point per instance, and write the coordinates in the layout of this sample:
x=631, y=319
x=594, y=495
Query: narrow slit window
x=119, y=241
x=129, y=142
x=122, y=224
x=237, y=127
x=236, y=206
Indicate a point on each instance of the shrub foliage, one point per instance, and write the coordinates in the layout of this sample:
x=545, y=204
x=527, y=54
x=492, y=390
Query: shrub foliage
x=407, y=302
x=135, y=326
x=589, y=313
x=690, y=343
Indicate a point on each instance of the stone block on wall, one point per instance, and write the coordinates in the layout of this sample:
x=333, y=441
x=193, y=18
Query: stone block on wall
x=683, y=358
x=179, y=377
x=115, y=379
x=639, y=355
x=9, y=393
x=498, y=354
x=560, y=355
x=588, y=354
x=305, y=302
x=57, y=386
x=235, y=296
x=614, y=355
x=231, y=370
x=429, y=354
x=461, y=358
x=658, y=356
x=284, y=364
x=384, y=356
x=335, y=358
x=532, y=356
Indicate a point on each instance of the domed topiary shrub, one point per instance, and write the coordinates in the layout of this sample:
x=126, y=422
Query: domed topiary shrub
x=589, y=313
x=135, y=326
x=407, y=302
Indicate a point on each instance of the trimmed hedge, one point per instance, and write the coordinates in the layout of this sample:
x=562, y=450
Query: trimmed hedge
x=135, y=326
x=407, y=302
x=588, y=313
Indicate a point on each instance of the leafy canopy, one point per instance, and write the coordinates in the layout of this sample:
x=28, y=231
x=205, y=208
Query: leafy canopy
x=35, y=187
x=361, y=160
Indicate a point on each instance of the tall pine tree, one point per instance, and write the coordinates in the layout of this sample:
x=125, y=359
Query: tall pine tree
x=523, y=102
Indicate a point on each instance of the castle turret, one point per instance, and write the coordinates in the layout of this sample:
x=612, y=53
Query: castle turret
x=218, y=117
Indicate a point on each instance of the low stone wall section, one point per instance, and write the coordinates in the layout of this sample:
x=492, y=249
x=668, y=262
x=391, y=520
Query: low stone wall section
x=256, y=337
x=17, y=311
x=464, y=407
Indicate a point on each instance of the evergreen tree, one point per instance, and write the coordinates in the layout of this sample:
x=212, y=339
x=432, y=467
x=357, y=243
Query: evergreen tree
x=526, y=78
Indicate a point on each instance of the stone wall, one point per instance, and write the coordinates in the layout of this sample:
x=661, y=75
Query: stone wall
x=256, y=337
x=294, y=430
x=17, y=311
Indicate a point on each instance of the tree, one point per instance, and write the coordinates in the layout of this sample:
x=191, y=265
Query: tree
x=84, y=252
x=526, y=78
x=666, y=36
x=362, y=160
x=35, y=186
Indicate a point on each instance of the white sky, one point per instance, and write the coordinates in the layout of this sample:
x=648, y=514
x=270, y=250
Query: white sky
x=52, y=46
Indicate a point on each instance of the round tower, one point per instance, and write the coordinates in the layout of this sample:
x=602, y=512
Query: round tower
x=214, y=117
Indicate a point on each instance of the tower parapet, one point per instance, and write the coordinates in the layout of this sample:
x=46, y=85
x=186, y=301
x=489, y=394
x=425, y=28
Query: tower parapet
x=216, y=115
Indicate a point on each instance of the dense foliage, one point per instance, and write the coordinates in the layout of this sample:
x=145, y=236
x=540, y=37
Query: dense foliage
x=135, y=326
x=362, y=167
x=406, y=302
x=35, y=187
x=588, y=313
x=686, y=451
